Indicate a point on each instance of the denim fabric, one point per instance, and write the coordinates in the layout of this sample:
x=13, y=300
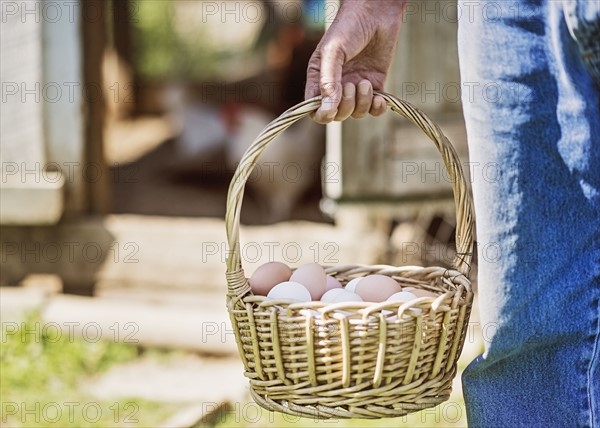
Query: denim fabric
x=532, y=112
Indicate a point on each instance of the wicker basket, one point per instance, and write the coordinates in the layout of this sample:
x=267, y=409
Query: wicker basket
x=353, y=360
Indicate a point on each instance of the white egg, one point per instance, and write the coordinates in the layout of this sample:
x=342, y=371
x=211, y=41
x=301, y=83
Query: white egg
x=290, y=290
x=351, y=286
x=338, y=295
x=404, y=296
x=349, y=297
x=330, y=295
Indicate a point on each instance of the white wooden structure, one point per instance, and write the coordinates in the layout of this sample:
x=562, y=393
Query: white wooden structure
x=42, y=129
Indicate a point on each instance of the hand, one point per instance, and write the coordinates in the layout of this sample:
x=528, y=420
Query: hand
x=353, y=58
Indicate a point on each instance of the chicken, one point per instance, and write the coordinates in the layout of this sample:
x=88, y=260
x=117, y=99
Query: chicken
x=287, y=168
x=202, y=131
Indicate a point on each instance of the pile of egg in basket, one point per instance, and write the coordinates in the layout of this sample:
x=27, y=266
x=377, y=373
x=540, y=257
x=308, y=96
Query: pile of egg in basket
x=309, y=282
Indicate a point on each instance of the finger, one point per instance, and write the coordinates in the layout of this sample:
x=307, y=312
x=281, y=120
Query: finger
x=332, y=60
x=378, y=107
x=364, y=99
x=348, y=102
x=313, y=74
x=324, y=116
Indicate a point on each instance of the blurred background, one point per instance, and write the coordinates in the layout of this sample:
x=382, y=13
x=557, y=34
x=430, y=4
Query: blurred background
x=122, y=124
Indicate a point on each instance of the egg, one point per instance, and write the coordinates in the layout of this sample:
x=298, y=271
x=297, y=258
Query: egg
x=404, y=296
x=268, y=276
x=290, y=290
x=313, y=277
x=332, y=283
x=377, y=288
x=420, y=292
x=351, y=286
x=330, y=295
x=338, y=295
x=349, y=297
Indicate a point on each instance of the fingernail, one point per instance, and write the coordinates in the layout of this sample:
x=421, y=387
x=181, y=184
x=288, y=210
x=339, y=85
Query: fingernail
x=363, y=88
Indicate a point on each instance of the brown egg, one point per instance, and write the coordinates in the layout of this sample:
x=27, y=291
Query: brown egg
x=332, y=283
x=377, y=288
x=267, y=276
x=313, y=277
x=419, y=292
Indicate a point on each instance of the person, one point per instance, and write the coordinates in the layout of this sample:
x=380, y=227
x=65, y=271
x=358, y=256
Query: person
x=539, y=295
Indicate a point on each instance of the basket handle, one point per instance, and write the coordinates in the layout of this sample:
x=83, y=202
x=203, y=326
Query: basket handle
x=462, y=196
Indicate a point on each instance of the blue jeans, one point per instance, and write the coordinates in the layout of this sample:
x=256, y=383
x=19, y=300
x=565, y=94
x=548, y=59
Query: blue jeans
x=531, y=103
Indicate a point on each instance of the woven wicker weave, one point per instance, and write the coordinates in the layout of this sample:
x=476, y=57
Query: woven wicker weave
x=353, y=360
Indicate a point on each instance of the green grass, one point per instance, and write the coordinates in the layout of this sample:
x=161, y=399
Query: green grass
x=41, y=374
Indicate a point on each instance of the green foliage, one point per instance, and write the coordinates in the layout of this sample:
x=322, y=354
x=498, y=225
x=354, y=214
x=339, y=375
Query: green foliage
x=161, y=52
x=42, y=372
x=41, y=357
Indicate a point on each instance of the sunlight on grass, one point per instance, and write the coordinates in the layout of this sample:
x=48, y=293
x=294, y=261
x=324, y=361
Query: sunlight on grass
x=42, y=371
